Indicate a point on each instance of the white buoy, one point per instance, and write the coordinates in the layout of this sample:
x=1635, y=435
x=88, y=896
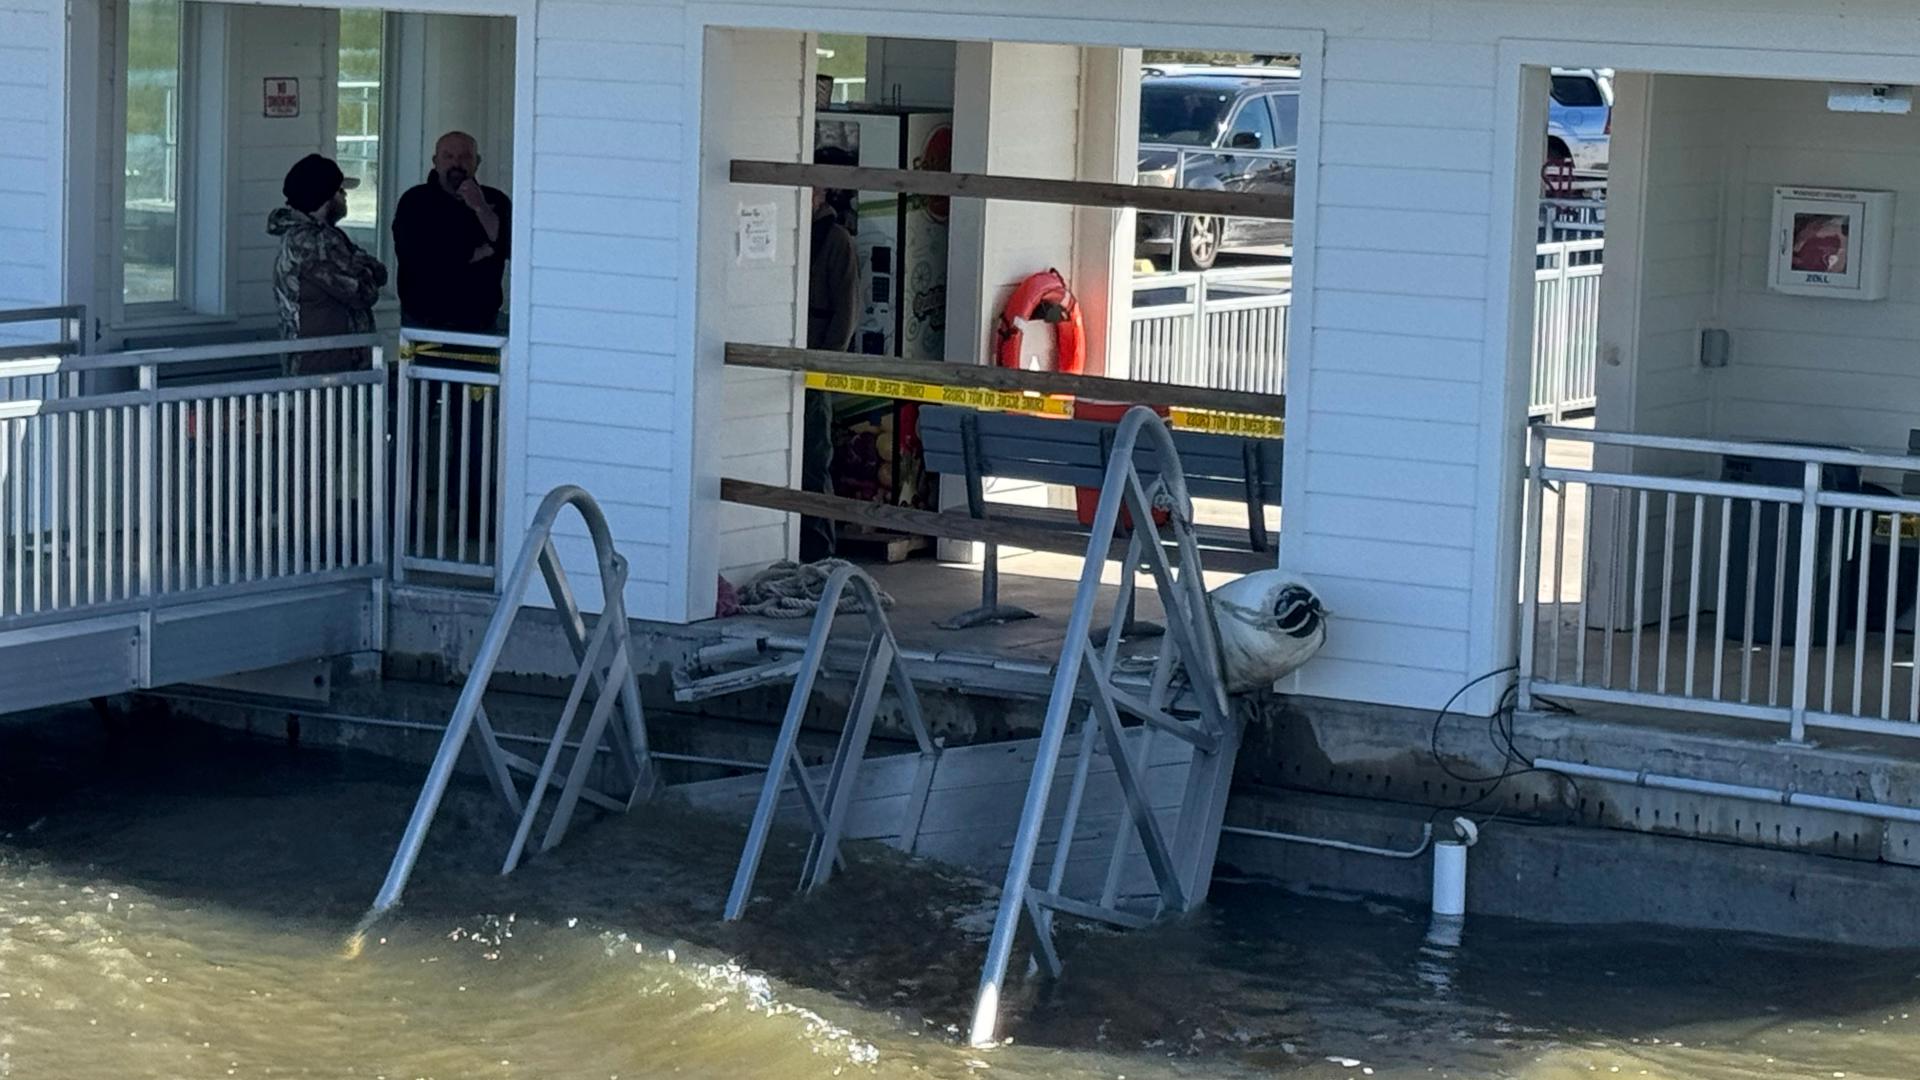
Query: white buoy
x=1450, y=870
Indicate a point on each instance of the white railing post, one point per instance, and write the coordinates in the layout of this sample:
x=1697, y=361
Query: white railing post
x=1530, y=560
x=1562, y=333
x=149, y=444
x=1803, y=598
x=403, y=466
x=1200, y=342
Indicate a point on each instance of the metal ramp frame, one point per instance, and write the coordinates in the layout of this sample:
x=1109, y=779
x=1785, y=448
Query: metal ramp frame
x=606, y=670
x=1182, y=864
x=827, y=812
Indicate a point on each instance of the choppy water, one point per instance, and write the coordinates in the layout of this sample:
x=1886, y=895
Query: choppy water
x=174, y=905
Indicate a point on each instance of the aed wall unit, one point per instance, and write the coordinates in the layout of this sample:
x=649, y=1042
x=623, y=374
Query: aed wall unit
x=1831, y=242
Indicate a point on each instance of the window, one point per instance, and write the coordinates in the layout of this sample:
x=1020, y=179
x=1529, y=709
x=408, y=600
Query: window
x=843, y=68
x=1578, y=92
x=1286, y=121
x=360, y=110
x=151, y=200
x=1180, y=116
x=1252, y=127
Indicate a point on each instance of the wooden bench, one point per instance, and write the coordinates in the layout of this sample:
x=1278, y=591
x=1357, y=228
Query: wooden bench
x=1074, y=452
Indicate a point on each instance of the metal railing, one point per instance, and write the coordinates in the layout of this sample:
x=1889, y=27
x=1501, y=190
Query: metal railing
x=129, y=499
x=1224, y=329
x=1788, y=602
x=1084, y=684
x=34, y=365
x=1566, y=327
x=1572, y=219
x=606, y=672
x=828, y=810
x=447, y=493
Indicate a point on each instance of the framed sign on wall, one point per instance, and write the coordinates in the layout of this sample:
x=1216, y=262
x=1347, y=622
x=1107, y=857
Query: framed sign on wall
x=1831, y=242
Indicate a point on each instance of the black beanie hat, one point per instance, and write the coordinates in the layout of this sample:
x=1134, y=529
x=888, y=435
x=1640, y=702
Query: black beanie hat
x=311, y=182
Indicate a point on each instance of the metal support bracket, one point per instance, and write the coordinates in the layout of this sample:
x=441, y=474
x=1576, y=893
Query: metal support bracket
x=827, y=812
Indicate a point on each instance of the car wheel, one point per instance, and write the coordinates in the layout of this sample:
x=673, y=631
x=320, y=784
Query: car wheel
x=1201, y=242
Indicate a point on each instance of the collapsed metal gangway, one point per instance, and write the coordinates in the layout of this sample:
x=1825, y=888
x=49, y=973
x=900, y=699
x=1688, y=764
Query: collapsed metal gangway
x=1085, y=696
x=827, y=811
x=606, y=672
x=1185, y=704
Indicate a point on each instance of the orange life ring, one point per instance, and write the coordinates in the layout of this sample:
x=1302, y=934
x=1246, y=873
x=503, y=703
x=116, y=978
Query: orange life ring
x=1044, y=296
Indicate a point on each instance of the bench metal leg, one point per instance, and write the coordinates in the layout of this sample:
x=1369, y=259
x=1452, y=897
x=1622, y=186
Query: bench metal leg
x=1256, y=507
x=991, y=611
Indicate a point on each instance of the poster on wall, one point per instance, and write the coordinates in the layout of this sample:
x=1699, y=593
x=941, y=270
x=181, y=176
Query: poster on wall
x=281, y=98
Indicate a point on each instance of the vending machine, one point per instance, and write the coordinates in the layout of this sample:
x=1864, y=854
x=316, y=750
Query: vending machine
x=900, y=243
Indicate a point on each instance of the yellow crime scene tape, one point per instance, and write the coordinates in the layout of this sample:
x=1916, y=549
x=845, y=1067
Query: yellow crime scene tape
x=1208, y=420
x=413, y=350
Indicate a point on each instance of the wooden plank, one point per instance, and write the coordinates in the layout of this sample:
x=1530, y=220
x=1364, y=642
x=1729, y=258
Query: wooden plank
x=952, y=526
x=989, y=377
x=1013, y=188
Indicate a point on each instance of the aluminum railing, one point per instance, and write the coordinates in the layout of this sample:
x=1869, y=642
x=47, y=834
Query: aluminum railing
x=127, y=499
x=1566, y=327
x=1644, y=583
x=447, y=509
x=1572, y=219
x=606, y=672
x=34, y=365
x=1227, y=330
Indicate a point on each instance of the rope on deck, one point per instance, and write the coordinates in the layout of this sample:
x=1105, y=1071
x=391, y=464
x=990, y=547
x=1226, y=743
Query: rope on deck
x=791, y=590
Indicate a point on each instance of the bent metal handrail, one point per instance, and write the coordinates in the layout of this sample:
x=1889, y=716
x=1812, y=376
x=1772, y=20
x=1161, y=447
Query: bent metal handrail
x=827, y=814
x=537, y=550
x=1179, y=874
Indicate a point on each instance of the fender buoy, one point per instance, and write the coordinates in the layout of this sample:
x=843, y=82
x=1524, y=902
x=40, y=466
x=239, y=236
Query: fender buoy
x=1043, y=296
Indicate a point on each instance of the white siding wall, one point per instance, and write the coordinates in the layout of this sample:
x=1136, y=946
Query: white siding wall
x=605, y=392
x=31, y=165
x=769, y=118
x=1806, y=368
x=1385, y=524
x=1677, y=194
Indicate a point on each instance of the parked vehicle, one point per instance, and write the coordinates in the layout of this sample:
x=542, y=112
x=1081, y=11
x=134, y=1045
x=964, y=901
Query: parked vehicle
x=1217, y=129
x=1580, y=118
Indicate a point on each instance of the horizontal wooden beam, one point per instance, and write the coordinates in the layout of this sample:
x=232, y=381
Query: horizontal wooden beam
x=956, y=185
x=950, y=526
x=991, y=377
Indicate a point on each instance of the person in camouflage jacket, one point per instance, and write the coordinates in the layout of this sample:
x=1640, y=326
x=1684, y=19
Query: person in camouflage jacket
x=325, y=285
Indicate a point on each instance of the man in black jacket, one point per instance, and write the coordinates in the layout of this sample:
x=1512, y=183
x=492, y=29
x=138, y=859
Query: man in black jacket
x=452, y=238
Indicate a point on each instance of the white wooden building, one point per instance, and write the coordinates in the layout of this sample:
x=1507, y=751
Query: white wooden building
x=1421, y=132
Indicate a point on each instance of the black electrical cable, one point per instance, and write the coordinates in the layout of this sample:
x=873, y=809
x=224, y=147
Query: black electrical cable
x=1500, y=733
x=1439, y=718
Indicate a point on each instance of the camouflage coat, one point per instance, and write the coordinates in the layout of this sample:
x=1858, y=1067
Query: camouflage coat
x=325, y=286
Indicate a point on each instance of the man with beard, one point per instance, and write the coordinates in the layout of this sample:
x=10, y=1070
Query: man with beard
x=324, y=284
x=451, y=236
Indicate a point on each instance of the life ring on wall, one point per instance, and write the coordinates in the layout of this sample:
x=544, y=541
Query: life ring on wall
x=1043, y=296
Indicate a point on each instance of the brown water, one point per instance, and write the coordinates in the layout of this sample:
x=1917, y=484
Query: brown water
x=174, y=905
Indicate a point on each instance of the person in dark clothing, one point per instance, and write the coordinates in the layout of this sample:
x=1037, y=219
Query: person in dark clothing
x=453, y=238
x=833, y=311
